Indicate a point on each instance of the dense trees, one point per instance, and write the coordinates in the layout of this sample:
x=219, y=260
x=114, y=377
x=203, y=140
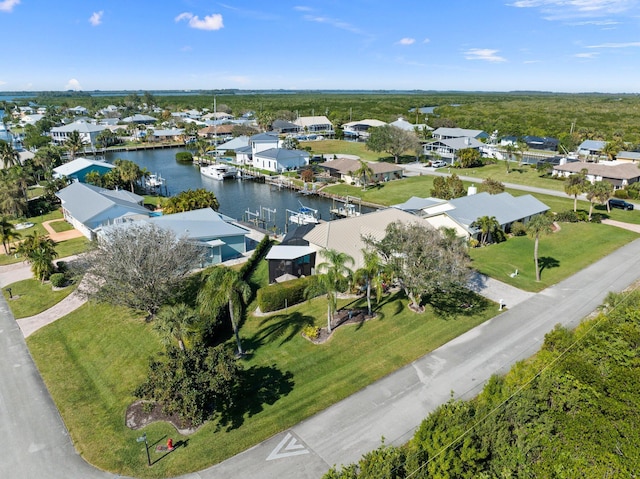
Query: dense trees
x=140, y=266
x=569, y=411
x=7, y=233
x=423, y=260
x=128, y=171
x=8, y=155
x=469, y=157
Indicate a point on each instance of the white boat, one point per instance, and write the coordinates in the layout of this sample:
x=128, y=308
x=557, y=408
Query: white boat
x=154, y=181
x=304, y=216
x=219, y=171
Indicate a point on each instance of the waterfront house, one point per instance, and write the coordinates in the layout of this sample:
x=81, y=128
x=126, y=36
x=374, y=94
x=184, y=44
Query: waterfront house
x=280, y=159
x=628, y=156
x=140, y=119
x=405, y=125
x=166, y=136
x=443, y=133
x=78, y=169
x=293, y=257
x=88, y=207
x=222, y=238
x=619, y=175
x=284, y=127
x=88, y=132
x=541, y=142
x=360, y=129
x=315, y=124
x=344, y=168
x=591, y=148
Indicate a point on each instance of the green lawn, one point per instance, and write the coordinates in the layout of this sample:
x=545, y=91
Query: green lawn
x=60, y=226
x=561, y=254
x=31, y=297
x=341, y=146
x=521, y=175
x=91, y=376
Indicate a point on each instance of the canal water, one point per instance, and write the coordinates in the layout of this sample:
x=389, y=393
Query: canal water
x=238, y=199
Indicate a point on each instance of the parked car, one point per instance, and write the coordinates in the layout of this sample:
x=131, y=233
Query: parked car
x=438, y=164
x=618, y=203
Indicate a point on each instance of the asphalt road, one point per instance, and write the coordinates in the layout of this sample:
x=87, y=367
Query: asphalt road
x=36, y=443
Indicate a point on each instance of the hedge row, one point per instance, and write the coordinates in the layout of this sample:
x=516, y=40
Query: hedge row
x=261, y=250
x=279, y=295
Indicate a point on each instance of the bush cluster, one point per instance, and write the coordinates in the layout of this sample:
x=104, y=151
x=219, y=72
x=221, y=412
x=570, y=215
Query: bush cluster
x=251, y=264
x=518, y=229
x=570, y=216
x=58, y=280
x=277, y=296
x=184, y=157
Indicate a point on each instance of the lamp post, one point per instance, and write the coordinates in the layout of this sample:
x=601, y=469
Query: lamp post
x=143, y=438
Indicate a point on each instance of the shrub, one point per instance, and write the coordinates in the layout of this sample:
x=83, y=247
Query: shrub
x=596, y=218
x=61, y=267
x=184, y=157
x=278, y=296
x=311, y=332
x=622, y=194
x=58, y=280
x=518, y=229
x=568, y=216
x=259, y=253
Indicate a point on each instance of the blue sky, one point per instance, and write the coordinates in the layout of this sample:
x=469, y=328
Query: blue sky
x=485, y=45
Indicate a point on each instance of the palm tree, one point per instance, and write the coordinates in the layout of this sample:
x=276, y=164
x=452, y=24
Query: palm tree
x=538, y=226
x=599, y=192
x=509, y=148
x=74, y=143
x=576, y=185
x=40, y=252
x=336, y=271
x=177, y=323
x=370, y=275
x=7, y=233
x=488, y=225
x=128, y=171
x=611, y=149
x=9, y=156
x=364, y=174
x=225, y=288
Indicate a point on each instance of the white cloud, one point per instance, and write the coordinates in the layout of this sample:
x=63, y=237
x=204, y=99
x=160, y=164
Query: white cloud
x=485, y=54
x=96, y=18
x=407, y=41
x=73, y=84
x=616, y=45
x=586, y=55
x=566, y=9
x=426, y=40
x=302, y=8
x=209, y=22
x=7, y=5
x=3, y=82
x=334, y=22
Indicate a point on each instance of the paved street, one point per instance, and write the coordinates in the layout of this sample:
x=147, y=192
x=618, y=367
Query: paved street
x=36, y=443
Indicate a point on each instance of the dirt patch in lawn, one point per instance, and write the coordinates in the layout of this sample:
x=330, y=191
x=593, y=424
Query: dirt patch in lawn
x=142, y=413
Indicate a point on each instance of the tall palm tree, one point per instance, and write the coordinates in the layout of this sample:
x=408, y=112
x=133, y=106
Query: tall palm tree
x=333, y=274
x=128, y=171
x=7, y=233
x=364, y=174
x=8, y=155
x=538, y=226
x=575, y=185
x=371, y=275
x=177, y=323
x=225, y=288
x=74, y=143
x=510, y=149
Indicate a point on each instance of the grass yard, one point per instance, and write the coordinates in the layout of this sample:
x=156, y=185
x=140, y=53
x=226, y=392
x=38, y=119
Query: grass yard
x=561, y=254
x=60, y=226
x=91, y=376
x=521, y=175
x=31, y=297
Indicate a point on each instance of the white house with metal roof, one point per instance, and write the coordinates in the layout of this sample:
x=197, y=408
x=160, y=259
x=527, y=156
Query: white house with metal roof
x=444, y=133
x=315, y=124
x=88, y=207
x=591, y=148
x=88, y=132
x=449, y=149
x=280, y=159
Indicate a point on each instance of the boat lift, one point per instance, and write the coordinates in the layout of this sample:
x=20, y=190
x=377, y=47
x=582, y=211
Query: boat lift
x=264, y=218
x=352, y=206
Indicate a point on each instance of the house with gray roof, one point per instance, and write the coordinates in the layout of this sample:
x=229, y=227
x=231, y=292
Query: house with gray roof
x=88, y=132
x=449, y=149
x=360, y=129
x=315, y=124
x=140, y=119
x=89, y=208
x=506, y=208
x=280, y=159
x=443, y=133
x=628, y=156
x=222, y=238
x=343, y=168
x=78, y=169
x=591, y=148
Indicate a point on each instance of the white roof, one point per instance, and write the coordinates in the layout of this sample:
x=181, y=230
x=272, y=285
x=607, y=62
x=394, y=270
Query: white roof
x=79, y=164
x=288, y=252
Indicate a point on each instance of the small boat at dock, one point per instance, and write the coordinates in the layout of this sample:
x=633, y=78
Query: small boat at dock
x=304, y=216
x=219, y=171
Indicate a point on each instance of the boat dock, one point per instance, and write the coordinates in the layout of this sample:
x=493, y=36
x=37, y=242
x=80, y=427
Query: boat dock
x=346, y=207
